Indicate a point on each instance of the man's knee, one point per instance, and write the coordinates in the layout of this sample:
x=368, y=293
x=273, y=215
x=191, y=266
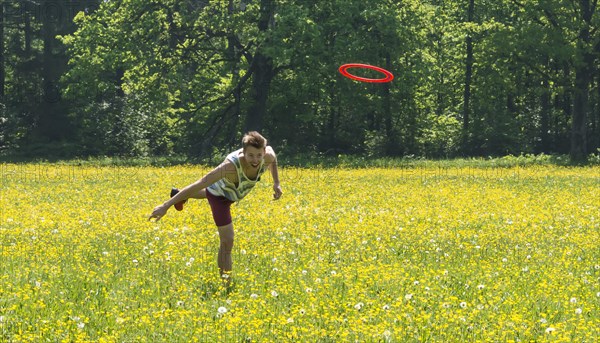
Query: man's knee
x=226, y=236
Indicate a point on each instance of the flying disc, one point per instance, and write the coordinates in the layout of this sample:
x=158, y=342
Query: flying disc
x=387, y=75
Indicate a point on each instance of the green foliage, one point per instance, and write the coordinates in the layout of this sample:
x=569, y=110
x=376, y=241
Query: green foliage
x=169, y=77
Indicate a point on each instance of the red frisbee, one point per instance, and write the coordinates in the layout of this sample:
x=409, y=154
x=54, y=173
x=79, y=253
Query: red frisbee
x=344, y=71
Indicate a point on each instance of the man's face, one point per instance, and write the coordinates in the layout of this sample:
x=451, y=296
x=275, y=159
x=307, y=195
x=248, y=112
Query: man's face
x=254, y=156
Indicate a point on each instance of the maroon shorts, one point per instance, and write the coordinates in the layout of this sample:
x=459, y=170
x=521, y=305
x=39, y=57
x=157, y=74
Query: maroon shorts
x=221, y=208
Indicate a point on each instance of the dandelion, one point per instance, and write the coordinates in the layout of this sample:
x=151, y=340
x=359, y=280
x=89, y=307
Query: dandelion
x=578, y=311
x=386, y=307
x=463, y=305
x=304, y=272
x=309, y=290
x=543, y=321
x=333, y=273
x=2, y=318
x=290, y=320
x=120, y=320
x=179, y=303
x=408, y=296
x=446, y=305
x=274, y=294
x=480, y=307
x=222, y=310
x=550, y=330
x=359, y=306
x=302, y=311
x=253, y=296
x=387, y=334
x=573, y=300
x=416, y=283
x=480, y=287
x=135, y=261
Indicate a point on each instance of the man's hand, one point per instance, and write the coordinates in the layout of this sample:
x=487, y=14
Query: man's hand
x=159, y=212
x=277, y=191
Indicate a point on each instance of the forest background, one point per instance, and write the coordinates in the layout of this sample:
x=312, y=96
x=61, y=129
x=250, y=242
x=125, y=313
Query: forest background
x=139, y=78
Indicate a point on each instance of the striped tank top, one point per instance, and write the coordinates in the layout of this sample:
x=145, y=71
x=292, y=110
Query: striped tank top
x=228, y=189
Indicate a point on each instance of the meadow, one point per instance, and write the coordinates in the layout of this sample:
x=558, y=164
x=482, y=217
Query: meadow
x=418, y=254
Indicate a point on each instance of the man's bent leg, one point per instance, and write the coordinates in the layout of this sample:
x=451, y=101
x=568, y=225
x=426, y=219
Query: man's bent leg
x=200, y=195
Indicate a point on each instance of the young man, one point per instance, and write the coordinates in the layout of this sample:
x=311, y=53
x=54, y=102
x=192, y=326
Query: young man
x=231, y=181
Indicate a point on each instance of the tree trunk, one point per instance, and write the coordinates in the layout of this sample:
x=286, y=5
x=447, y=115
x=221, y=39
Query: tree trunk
x=583, y=79
x=263, y=73
x=468, y=76
x=2, y=70
x=387, y=112
x=544, y=116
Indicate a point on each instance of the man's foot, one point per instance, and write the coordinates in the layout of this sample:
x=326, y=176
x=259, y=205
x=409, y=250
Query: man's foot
x=179, y=205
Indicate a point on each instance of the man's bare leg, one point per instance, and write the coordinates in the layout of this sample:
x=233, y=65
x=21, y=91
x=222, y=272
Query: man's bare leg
x=200, y=195
x=224, y=258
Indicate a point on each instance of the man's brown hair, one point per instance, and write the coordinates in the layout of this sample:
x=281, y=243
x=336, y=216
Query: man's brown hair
x=254, y=139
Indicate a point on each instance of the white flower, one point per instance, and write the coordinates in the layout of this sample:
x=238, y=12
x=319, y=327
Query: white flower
x=80, y=325
x=304, y=272
x=1, y=319
x=309, y=290
x=408, y=296
x=180, y=303
x=386, y=307
x=463, y=304
x=302, y=311
x=480, y=307
x=120, y=320
x=274, y=294
x=135, y=261
x=446, y=305
x=253, y=296
x=505, y=260
x=387, y=334
x=573, y=300
x=543, y=321
x=578, y=311
x=243, y=252
x=416, y=283
x=105, y=253
x=359, y=306
x=598, y=294
x=222, y=310
x=333, y=273
x=480, y=287
x=290, y=320
x=550, y=330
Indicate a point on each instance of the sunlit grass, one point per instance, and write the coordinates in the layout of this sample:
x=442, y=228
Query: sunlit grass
x=417, y=254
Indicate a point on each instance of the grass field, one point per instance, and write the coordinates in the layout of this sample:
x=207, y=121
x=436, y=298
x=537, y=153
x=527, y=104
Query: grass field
x=428, y=254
